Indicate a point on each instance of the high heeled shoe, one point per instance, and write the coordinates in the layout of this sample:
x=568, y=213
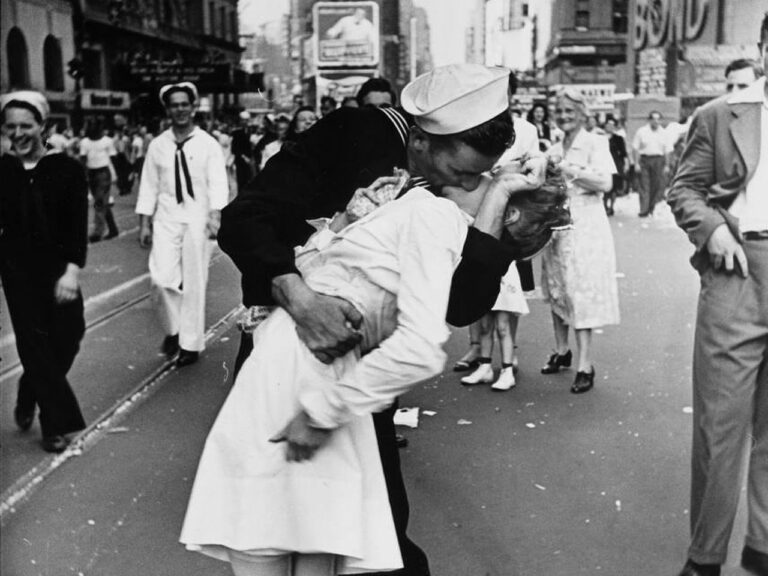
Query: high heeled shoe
x=466, y=365
x=557, y=361
x=584, y=382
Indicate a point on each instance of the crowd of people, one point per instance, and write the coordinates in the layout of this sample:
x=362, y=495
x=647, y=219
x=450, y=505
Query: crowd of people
x=424, y=212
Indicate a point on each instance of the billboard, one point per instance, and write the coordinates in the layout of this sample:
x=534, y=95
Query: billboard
x=346, y=34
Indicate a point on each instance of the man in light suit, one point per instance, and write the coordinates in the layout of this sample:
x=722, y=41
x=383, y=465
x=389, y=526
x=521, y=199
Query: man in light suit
x=720, y=199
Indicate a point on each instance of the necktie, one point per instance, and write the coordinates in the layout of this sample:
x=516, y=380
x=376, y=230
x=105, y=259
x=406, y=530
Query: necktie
x=181, y=158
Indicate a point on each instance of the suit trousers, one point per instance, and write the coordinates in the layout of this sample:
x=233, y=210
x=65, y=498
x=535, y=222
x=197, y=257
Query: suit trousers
x=47, y=339
x=415, y=561
x=178, y=267
x=652, y=182
x=730, y=407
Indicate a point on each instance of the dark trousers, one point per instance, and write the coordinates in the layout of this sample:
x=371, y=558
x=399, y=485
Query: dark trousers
x=99, y=182
x=123, y=169
x=414, y=559
x=652, y=182
x=47, y=339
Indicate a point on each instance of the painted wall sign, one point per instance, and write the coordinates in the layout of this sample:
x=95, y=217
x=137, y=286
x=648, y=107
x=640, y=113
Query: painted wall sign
x=657, y=20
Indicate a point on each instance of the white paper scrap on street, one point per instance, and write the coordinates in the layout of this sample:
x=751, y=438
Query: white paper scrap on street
x=463, y=422
x=687, y=410
x=428, y=412
x=407, y=417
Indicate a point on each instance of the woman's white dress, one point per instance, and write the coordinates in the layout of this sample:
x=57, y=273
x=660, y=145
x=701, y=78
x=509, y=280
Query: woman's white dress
x=511, y=296
x=395, y=266
x=578, y=276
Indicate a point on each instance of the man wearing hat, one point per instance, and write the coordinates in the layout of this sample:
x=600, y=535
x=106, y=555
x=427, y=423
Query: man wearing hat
x=43, y=245
x=453, y=127
x=183, y=189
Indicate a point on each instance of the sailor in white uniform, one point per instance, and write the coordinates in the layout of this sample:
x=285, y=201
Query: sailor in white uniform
x=182, y=191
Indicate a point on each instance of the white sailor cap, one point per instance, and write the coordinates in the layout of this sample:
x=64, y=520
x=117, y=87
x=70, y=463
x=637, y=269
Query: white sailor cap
x=34, y=101
x=187, y=87
x=454, y=98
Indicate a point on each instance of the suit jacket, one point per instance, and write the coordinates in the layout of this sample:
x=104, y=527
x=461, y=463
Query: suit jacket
x=719, y=158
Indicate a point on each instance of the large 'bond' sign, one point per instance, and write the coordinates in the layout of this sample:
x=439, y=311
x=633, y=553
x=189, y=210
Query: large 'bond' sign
x=655, y=19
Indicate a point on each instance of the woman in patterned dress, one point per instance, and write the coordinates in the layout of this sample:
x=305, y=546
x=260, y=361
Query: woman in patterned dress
x=579, y=266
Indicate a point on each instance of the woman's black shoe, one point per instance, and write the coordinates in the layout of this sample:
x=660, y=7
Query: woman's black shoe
x=466, y=365
x=24, y=418
x=557, y=361
x=55, y=444
x=584, y=382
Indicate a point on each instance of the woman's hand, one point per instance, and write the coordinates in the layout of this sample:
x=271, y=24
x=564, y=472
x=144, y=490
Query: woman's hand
x=67, y=287
x=303, y=439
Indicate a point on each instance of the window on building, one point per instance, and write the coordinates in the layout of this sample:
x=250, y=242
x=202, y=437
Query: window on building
x=53, y=64
x=93, y=76
x=18, y=59
x=233, y=26
x=169, y=14
x=620, y=16
x=581, y=21
x=211, y=18
x=222, y=22
x=525, y=9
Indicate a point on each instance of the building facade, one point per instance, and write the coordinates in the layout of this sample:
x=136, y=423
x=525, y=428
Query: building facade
x=37, y=43
x=118, y=52
x=588, y=46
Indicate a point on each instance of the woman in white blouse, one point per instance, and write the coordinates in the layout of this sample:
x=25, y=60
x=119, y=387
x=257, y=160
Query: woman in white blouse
x=579, y=266
x=261, y=505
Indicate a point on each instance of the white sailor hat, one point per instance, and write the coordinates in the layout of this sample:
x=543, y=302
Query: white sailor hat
x=35, y=102
x=187, y=87
x=456, y=97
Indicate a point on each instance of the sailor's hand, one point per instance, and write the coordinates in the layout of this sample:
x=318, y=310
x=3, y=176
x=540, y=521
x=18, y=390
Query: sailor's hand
x=213, y=224
x=326, y=324
x=67, y=287
x=145, y=236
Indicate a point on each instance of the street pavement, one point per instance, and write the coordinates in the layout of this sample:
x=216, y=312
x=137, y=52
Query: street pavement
x=530, y=482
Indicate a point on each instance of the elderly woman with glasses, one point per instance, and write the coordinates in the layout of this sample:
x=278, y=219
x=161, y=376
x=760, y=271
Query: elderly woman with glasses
x=579, y=266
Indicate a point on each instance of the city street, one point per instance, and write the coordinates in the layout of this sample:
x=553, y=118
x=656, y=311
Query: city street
x=534, y=481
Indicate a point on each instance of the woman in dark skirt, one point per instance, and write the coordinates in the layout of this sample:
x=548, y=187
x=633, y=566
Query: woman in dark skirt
x=43, y=243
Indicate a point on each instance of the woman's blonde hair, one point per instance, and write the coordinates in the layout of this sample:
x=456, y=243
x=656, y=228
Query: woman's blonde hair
x=576, y=97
